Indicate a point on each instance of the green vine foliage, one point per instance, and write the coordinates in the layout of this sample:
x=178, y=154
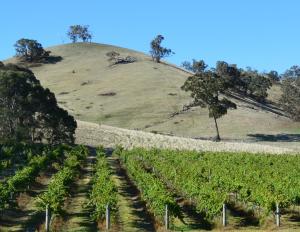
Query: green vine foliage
x=152, y=189
x=32, y=164
x=104, y=191
x=58, y=188
x=210, y=179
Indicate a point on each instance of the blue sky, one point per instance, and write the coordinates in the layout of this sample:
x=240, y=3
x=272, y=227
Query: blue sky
x=263, y=34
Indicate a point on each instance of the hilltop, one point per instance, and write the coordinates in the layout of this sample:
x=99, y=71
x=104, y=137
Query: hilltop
x=146, y=96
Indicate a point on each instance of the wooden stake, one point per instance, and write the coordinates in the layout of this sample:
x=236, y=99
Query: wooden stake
x=166, y=217
x=224, y=215
x=107, y=216
x=47, y=219
x=277, y=215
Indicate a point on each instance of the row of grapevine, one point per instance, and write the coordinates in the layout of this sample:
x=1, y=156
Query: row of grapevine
x=53, y=198
x=104, y=191
x=22, y=178
x=210, y=179
x=152, y=189
x=13, y=156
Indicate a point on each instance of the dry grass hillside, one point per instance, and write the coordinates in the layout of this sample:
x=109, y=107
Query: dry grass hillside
x=143, y=95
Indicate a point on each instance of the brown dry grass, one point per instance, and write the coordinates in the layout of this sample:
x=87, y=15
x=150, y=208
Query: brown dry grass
x=94, y=134
x=143, y=101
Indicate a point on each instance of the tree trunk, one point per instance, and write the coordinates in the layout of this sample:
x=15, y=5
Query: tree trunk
x=217, y=130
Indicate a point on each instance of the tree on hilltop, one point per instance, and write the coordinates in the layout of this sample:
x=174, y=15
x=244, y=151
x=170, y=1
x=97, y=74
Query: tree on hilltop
x=273, y=76
x=77, y=32
x=30, y=50
x=293, y=72
x=206, y=88
x=157, y=51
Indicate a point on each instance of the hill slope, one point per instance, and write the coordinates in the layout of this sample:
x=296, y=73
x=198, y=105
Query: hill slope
x=143, y=95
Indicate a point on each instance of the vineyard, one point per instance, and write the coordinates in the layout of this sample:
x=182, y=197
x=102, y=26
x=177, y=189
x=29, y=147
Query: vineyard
x=84, y=189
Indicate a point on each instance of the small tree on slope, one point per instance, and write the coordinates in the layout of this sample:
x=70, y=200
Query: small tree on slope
x=157, y=51
x=205, y=88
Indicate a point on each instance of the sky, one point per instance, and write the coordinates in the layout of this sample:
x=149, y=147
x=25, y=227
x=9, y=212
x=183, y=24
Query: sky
x=262, y=34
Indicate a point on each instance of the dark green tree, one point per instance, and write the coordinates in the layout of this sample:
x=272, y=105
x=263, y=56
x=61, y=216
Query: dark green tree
x=77, y=32
x=273, y=76
x=230, y=74
x=206, y=90
x=293, y=72
x=157, y=51
x=30, y=113
x=195, y=66
x=30, y=50
x=257, y=85
x=290, y=98
x=254, y=84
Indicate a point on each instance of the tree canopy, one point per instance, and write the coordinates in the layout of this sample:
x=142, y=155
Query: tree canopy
x=77, y=32
x=293, y=72
x=206, y=90
x=273, y=76
x=195, y=66
x=290, y=98
x=157, y=51
x=30, y=50
x=247, y=82
x=30, y=113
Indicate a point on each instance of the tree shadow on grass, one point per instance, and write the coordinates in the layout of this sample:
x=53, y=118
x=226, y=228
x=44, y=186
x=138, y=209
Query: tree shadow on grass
x=268, y=107
x=246, y=217
x=275, y=138
x=198, y=219
x=38, y=63
x=52, y=59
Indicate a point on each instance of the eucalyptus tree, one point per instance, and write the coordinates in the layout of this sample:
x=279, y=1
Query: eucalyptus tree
x=30, y=113
x=206, y=90
x=157, y=51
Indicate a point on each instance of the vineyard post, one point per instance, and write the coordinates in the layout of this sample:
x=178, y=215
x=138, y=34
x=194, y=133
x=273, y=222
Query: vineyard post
x=47, y=218
x=166, y=217
x=224, y=215
x=277, y=215
x=107, y=216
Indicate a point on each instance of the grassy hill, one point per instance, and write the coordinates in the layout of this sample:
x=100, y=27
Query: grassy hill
x=143, y=95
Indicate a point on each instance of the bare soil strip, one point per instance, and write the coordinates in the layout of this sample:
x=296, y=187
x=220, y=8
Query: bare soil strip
x=77, y=217
x=133, y=216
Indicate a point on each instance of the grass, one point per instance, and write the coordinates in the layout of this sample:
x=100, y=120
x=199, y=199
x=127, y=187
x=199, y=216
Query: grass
x=132, y=216
x=93, y=134
x=77, y=214
x=147, y=94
